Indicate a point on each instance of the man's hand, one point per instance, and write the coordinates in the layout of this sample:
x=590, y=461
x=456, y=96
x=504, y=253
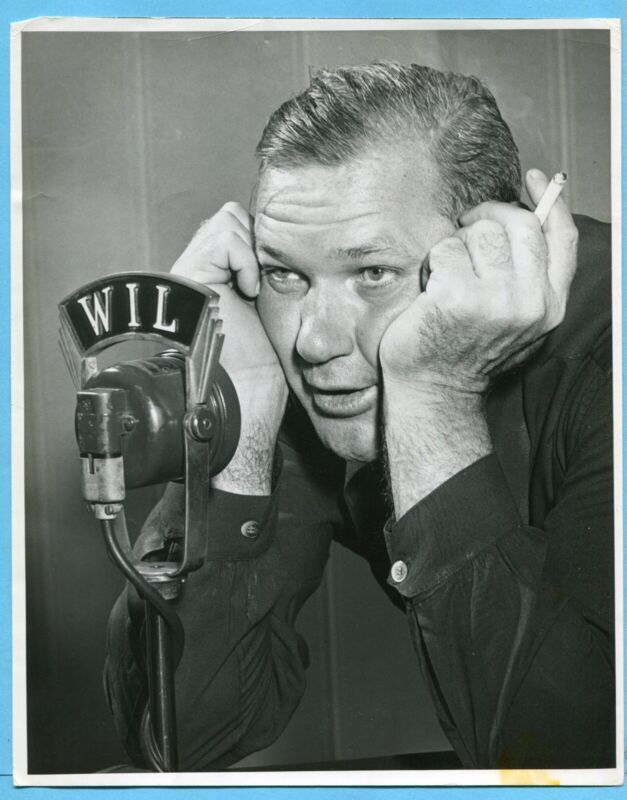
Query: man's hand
x=220, y=253
x=496, y=288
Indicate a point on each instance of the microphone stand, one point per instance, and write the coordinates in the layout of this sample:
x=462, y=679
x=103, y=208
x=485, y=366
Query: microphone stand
x=165, y=641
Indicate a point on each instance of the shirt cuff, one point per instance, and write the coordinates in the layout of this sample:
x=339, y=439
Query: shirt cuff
x=449, y=527
x=239, y=527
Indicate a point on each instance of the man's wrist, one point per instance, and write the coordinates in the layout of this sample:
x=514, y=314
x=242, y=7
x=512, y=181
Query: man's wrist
x=432, y=432
x=432, y=382
x=250, y=471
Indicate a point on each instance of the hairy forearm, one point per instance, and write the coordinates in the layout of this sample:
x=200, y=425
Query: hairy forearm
x=262, y=394
x=250, y=470
x=431, y=434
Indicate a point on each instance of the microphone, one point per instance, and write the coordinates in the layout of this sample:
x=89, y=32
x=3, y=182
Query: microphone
x=136, y=410
x=137, y=421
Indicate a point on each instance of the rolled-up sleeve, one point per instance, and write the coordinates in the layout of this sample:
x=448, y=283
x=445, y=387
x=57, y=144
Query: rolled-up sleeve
x=512, y=623
x=242, y=672
x=449, y=527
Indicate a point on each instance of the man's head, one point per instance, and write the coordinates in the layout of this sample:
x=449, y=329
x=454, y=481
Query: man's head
x=360, y=176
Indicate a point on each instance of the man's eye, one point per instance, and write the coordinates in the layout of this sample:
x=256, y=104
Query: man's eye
x=376, y=276
x=284, y=280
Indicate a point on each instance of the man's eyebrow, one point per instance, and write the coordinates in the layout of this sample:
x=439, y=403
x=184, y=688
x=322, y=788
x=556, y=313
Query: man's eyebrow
x=355, y=253
x=273, y=252
x=374, y=247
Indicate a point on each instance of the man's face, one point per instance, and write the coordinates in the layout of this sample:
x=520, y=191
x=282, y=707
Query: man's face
x=340, y=250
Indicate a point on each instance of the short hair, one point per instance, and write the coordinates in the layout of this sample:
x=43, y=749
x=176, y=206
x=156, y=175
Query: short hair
x=345, y=111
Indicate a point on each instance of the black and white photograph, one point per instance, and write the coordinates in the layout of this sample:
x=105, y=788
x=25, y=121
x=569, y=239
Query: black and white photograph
x=316, y=402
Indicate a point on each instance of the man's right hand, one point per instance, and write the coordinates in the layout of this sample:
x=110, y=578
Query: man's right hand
x=220, y=254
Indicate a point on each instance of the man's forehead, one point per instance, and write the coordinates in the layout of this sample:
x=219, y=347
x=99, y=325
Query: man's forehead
x=384, y=174
x=312, y=187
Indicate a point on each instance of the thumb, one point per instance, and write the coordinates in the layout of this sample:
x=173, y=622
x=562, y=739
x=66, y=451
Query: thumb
x=536, y=182
x=560, y=234
x=559, y=216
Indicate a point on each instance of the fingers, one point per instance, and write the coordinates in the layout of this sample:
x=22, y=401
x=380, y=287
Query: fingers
x=230, y=215
x=560, y=233
x=544, y=257
x=238, y=211
x=217, y=259
x=237, y=254
x=557, y=238
x=222, y=250
x=526, y=242
x=488, y=245
x=450, y=269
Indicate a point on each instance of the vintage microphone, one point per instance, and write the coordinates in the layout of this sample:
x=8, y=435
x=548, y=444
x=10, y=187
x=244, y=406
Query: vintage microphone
x=173, y=416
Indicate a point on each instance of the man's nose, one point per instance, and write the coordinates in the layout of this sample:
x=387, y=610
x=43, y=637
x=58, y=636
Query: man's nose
x=326, y=328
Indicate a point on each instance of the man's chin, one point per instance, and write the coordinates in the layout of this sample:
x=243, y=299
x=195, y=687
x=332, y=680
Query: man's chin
x=353, y=439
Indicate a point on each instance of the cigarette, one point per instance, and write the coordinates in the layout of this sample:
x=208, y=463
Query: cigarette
x=552, y=192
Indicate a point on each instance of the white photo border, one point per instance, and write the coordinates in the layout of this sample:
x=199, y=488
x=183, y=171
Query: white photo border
x=388, y=778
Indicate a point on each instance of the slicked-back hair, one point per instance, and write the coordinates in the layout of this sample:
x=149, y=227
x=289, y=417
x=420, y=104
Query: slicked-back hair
x=344, y=112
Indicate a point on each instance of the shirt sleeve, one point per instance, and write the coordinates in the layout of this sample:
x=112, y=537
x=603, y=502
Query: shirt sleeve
x=513, y=623
x=242, y=672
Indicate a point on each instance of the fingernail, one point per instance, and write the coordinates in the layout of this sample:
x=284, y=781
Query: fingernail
x=257, y=288
x=535, y=174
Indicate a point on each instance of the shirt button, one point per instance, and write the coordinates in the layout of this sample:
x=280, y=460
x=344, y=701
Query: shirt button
x=250, y=529
x=398, y=571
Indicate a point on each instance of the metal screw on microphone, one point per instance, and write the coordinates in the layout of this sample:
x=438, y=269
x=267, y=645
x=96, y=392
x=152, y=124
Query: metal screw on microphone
x=199, y=424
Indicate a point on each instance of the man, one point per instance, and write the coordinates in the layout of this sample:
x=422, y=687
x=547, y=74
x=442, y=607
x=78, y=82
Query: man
x=469, y=389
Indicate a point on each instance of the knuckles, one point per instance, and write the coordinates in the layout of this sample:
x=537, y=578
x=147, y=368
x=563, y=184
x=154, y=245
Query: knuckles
x=518, y=306
x=236, y=210
x=487, y=231
x=213, y=244
x=231, y=206
x=216, y=236
x=227, y=237
x=487, y=240
x=446, y=249
x=480, y=320
x=500, y=305
x=226, y=217
x=531, y=315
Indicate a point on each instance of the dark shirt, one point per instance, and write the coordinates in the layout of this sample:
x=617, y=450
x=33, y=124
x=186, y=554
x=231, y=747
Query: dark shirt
x=506, y=573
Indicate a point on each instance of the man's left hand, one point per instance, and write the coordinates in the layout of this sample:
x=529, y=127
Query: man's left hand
x=496, y=288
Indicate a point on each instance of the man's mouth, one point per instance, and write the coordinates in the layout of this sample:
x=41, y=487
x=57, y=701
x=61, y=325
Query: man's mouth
x=343, y=402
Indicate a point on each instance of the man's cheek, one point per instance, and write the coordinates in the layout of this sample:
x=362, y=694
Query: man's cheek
x=268, y=310
x=371, y=329
x=280, y=322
